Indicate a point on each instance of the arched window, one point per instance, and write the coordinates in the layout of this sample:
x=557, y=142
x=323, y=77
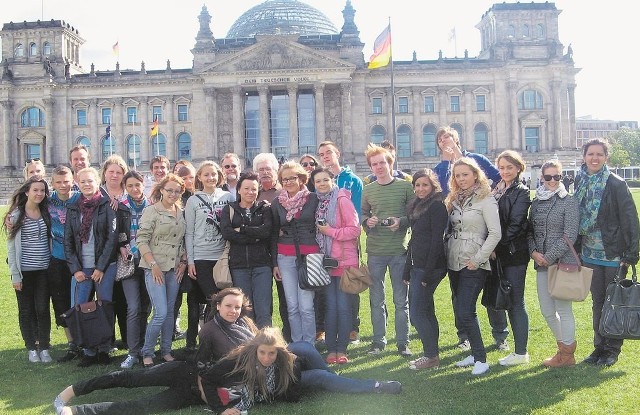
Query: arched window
x=108, y=146
x=403, y=142
x=525, y=30
x=540, y=30
x=429, y=145
x=32, y=117
x=184, y=146
x=133, y=151
x=530, y=99
x=19, y=51
x=511, y=31
x=85, y=141
x=377, y=134
x=46, y=48
x=33, y=49
x=481, y=138
x=159, y=145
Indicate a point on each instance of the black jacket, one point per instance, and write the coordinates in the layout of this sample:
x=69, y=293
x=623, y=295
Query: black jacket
x=250, y=247
x=283, y=231
x=513, y=208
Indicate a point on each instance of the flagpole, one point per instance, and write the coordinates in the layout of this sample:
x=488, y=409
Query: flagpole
x=393, y=94
x=158, y=139
x=110, y=140
x=133, y=137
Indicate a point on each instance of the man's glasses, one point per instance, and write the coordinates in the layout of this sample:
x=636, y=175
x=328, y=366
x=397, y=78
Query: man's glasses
x=229, y=166
x=173, y=192
x=26, y=163
x=308, y=163
x=556, y=177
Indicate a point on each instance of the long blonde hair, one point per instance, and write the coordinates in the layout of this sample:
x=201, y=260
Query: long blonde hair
x=481, y=181
x=254, y=374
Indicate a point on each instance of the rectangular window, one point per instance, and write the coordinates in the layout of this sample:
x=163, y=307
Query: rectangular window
x=183, y=112
x=279, y=120
x=531, y=139
x=376, y=106
x=429, y=104
x=132, y=115
x=81, y=116
x=33, y=151
x=306, y=122
x=156, y=113
x=455, y=103
x=480, y=103
x=252, y=125
x=106, y=115
x=403, y=105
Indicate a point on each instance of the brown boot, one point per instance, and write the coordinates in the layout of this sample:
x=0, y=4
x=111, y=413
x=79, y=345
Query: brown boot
x=553, y=361
x=565, y=356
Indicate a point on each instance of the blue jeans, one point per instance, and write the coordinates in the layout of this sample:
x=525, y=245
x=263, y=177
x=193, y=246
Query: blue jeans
x=256, y=283
x=138, y=310
x=422, y=310
x=377, y=268
x=302, y=316
x=518, y=317
x=163, y=297
x=468, y=284
x=309, y=354
x=104, y=291
x=33, y=309
x=329, y=381
x=337, y=319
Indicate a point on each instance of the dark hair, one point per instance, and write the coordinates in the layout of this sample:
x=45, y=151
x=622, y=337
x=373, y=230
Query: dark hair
x=18, y=202
x=130, y=174
x=60, y=170
x=79, y=147
x=235, y=291
x=249, y=175
x=429, y=174
x=318, y=171
x=596, y=142
x=159, y=159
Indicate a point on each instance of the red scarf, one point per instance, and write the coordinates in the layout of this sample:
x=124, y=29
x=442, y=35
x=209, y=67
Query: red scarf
x=87, y=210
x=294, y=204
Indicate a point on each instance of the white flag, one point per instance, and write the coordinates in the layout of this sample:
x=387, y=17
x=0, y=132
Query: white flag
x=452, y=34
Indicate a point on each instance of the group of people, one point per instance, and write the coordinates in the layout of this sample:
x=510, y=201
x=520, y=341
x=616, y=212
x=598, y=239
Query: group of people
x=464, y=218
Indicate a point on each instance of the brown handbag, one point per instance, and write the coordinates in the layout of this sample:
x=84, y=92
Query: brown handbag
x=570, y=282
x=221, y=271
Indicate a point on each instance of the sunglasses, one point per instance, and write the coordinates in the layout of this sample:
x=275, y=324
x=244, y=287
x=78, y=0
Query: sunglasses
x=229, y=166
x=556, y=177
x=26, y=163
x=308, y=163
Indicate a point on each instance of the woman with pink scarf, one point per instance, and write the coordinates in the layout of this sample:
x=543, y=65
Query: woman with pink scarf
x=294, y=222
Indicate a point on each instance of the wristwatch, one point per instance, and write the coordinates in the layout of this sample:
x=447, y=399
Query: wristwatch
x=152, y=264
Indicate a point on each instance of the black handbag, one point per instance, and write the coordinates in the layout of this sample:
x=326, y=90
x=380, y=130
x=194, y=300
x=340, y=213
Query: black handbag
x=90, y=323
x=497, y=291
x=621, y=309
x=311, y=272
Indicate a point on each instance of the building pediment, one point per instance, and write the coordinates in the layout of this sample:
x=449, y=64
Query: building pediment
x=130, y=102
x=277, y=53
x=80, y=104
x=31, y=136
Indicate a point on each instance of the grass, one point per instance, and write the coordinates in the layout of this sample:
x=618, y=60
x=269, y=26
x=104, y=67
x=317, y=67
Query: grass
x=528, y=389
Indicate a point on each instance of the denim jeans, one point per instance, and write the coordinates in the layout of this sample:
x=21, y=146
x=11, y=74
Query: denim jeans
x=59, y=277
x=467, y=286
x=518, y=317
x=33, y=310
x=256, y=283
x=602, y=277
x=422, y=311
x=104, y=291
x=377, y=268
x=163, y=297
x=321, y=379
x=138, y=310
x=557, y=313
x=310, y=356
x=337, y=320
x=302, y=318
x=179, y=377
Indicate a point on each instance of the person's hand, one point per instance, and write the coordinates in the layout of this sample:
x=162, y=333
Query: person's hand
x=124, y=252
x=180, y=272
x=539, y=259
x=395, y=225
x=157, y=274
x=406, y=282
x=471, y=266
x=276, y=274
x=323, y=229
x=7, y=223
x=493, y=255
x=79, y=276
x=230, y=411
x=97, y=276
x=372, y=221
x=17, y=286
x=114, y=203
x=191, y=271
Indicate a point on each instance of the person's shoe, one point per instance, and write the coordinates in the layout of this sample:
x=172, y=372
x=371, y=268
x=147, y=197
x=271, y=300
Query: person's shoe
x=593, y=358
x=503, y=346
x=45, y=357
x=59, y=404
x=69, y=356
x=332, y=359
x=404, y=350
x=87, y=361
x=513, y=359
x=375, y=349
x=342, y=359
x=320, y=337
x=391, y=386
x=191, y=349
x=607, y=359
x=179, y=334
x=464, y=345
x=354, y=337
x=103, y=358
x=147, y=362
x=33, y=356
x=480, y=368
x=564, y=357
x=129, y=362
x=467, y=361
x=425, y=363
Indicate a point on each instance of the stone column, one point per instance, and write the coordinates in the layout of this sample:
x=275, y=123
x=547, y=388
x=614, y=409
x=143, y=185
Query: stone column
x=170, y=129
x=347, y=140
x=318, y=89
x=555, y=128
x=390, y=108
x=117, y=125
x=571, y=92
x=467, y=105
x=49, y=141
x=210, y=135
x=9, y=157
x=517, y=139
x=238, y=121
x=145, y=136
x=265, y=142
x=417, y=122
x=442, y=106
x=292, y=90
x=96, y=141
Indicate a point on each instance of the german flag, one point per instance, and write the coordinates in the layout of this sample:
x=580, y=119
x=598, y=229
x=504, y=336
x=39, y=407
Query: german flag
x=154, y=129
x=381, y=50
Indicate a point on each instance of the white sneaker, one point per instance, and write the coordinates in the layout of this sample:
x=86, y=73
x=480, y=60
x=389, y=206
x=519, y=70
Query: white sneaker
x=129, y=362
x=467, y=361
x=514, y=359
x=480, y=368
x=33, y=356
x=45, y=357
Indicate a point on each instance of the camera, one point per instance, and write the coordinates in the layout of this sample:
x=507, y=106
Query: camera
x=386, y=222
x=322, y=222
x=130, y=257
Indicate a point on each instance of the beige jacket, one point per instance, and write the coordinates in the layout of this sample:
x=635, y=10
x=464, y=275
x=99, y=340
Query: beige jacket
x=162, y=234
x=473, y=232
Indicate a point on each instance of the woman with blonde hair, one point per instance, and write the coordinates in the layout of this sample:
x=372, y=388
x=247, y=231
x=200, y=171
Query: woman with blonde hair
x=33, y=167
x=472, y=235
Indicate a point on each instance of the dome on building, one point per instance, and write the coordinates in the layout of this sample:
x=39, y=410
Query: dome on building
x=282, y=17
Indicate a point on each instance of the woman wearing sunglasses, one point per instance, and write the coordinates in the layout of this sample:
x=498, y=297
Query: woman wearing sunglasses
x=309, y=164
x=553, y=214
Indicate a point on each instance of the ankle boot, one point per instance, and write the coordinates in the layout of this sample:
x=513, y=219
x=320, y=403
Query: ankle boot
x=555, y=359
x=565, y=356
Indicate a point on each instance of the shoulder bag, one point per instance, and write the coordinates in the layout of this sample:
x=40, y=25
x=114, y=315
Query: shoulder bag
x=497, y=291
x=124, y=266
x=90, y=323
x=621, y=310
x=221, y=271
x=311, y=273
x=355, y=280
x=570, y=282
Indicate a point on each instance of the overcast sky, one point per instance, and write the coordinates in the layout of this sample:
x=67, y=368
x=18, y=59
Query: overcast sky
x=603, y=35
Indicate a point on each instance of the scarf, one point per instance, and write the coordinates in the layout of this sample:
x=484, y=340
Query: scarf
x=87, y=209
x=293, y=205
x=463, y=195
x=327, y=209
x=417, y=207
x=542, y=193
x=501, y=189
x=136, y=208
x=238, y=333
x=589, y=196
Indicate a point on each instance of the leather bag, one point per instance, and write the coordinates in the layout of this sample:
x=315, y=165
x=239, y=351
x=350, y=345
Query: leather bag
x=125, y=267
x=221, y=271
x=311, y=273
x=497, y=293
x=90, y=323
x=621, y=310
x=570, y=282
x=355, y=280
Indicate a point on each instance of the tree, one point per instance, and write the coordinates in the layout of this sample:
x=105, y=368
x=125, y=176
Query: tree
x=629, y=141
x=618, y=156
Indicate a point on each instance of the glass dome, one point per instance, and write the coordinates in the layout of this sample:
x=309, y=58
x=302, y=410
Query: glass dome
x=281, y=17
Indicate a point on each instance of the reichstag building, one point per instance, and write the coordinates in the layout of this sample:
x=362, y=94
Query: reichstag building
x=285, y=78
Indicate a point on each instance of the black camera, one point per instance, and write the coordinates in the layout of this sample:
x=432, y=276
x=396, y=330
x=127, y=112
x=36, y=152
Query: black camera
x=386, y=222
x=322, y=222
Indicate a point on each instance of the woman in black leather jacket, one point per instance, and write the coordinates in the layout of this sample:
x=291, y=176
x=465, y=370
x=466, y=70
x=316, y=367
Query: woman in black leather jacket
x=608, y=235
x=512, y=251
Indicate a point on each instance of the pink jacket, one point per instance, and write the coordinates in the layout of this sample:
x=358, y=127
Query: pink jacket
x=345, y=234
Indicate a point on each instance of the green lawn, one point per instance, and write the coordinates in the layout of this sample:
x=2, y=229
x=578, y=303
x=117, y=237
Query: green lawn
x=529, y=389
